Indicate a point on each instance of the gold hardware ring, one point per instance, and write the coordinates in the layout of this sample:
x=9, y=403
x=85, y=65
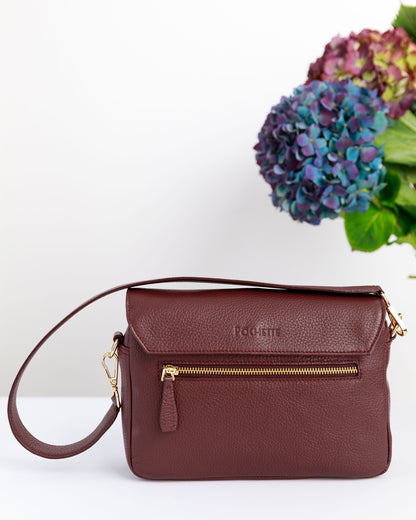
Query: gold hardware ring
x=397, y=325
x=113, y=379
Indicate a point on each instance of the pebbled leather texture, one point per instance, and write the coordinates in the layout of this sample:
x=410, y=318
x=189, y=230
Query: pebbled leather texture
x=256, y=427
x=253, y=427
x=253, y=321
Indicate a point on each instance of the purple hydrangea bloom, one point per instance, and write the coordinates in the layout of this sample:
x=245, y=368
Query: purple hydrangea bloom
x=383, y=61
x=316, y=149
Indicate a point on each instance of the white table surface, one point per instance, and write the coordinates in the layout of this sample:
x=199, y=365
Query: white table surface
x=98, y=483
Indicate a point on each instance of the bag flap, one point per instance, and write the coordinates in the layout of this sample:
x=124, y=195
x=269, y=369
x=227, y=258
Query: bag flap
x=254, y=321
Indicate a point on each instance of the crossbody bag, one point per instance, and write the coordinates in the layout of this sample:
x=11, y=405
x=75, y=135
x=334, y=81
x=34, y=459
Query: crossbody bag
x=258, y=380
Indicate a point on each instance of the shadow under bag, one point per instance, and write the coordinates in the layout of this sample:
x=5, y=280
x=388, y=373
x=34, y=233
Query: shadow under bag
x=257, y=381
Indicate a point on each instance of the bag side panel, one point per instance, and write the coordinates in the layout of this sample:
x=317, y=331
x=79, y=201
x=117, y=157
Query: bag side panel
x=126, y=400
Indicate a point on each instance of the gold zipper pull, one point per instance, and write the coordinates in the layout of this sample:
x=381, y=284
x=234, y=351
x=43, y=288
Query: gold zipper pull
x=169, y=370
x=397, y=325
x=168, y=418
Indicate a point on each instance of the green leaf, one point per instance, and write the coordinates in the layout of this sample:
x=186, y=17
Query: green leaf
x=406, y=199
x=389, y=192
x=407, y=172
x=410, y=238
x=370, y=230
x=406, y=18
x=409, y=120
x=403, y=223
x=399, y=141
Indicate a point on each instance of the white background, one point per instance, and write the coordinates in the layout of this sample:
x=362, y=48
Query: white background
x=126, y=153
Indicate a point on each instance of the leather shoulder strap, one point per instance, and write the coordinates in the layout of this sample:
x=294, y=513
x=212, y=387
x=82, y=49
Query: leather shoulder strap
x=43, y=449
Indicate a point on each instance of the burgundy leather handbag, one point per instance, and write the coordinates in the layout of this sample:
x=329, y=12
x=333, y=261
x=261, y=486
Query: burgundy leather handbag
x=258, y=381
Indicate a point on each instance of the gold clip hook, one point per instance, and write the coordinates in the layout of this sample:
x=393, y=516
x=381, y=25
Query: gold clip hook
x=113, y=379
x=397, y=325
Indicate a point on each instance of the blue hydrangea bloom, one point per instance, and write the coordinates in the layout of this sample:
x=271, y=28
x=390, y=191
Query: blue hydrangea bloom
x=316, y=149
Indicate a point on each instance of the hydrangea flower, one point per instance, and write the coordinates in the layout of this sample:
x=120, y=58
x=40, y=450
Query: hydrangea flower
x=316, y=149
x=383, y=61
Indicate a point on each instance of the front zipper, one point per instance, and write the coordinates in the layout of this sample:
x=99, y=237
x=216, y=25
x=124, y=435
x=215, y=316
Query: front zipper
x=168, y=417
x=334, y=370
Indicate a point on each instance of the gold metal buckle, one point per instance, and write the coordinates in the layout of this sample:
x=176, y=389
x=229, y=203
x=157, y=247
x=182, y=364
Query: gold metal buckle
x=113, y=379
x=397, y=325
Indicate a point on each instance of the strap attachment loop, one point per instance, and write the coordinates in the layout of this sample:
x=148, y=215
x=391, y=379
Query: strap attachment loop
x=113, y=379
x=397, y=325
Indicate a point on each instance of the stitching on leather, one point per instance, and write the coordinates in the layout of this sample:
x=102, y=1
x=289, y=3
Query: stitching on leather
x=243, y=362
x=382, y=322
x=226, y=351
x=389, y=439
x=278, y=380
x=130, y=417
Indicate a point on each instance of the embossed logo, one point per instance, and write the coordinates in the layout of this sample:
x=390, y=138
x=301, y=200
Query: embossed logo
x=246, y=331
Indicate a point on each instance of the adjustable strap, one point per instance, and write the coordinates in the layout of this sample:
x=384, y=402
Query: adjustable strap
x=51, y=451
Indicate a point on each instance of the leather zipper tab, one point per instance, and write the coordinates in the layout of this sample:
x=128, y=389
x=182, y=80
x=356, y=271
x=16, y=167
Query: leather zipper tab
x=168, y=418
